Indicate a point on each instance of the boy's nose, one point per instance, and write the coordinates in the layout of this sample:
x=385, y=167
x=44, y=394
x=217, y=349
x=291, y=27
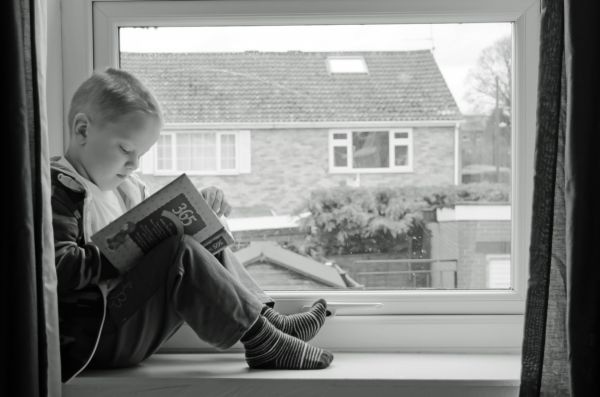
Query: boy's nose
x=133, y=163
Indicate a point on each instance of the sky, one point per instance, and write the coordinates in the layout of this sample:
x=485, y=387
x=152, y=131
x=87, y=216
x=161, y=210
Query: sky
x=455, y=47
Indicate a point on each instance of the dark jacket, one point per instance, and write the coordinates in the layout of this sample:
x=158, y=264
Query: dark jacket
x=81, y=268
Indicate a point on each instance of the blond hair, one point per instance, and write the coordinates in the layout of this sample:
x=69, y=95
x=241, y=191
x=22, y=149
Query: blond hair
x=110, y=94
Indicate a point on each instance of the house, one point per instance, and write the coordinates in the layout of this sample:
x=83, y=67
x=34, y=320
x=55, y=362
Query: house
x=268, y=126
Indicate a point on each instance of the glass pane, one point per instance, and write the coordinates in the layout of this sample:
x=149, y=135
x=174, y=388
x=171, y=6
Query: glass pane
x=401, y=155
x=183, y=151
x=370, y=149
x=374, y=227
x=228, y=152
x=347, y=65
x=204, y=152
x=340, y=156
x=164, y=153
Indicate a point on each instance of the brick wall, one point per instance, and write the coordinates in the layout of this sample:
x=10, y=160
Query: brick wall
x=288, y=163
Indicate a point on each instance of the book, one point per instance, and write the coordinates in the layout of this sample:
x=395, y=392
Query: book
x=177, y=208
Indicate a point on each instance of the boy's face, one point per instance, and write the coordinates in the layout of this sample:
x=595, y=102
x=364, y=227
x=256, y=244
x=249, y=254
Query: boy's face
x=110, y=151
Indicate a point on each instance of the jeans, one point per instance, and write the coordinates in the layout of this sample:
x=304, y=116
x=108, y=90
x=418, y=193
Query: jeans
x=178, y=281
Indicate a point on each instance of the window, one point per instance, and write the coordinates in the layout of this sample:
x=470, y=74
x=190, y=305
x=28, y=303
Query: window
x=198, y=152
x=473, y=311
x=347, y=65
x=371, y=151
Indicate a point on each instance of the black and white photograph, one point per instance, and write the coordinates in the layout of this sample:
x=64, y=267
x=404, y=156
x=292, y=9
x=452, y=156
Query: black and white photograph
x=367, y=198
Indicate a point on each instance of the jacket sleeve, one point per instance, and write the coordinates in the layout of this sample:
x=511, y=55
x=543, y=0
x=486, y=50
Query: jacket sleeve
x=77, y=265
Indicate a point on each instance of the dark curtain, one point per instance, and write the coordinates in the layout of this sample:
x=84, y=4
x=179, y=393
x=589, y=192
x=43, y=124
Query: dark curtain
x=26, y=276
x=561, y=341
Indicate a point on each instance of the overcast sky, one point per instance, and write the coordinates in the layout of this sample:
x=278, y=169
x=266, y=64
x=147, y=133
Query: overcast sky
x=455, y=46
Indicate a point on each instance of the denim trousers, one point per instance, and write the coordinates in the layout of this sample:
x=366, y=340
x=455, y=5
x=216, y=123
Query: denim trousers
x=178, y=281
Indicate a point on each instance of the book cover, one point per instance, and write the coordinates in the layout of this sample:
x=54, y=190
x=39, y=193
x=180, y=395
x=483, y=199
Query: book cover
x=177, y=208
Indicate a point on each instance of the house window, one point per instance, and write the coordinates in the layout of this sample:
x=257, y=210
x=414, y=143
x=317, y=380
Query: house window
x=199, y=152
x=347, y=65
x=371, y=151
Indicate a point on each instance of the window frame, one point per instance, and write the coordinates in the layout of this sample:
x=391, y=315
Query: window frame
x=391, y=155
x=467, y=320
x=346, y=57
x=174, y=132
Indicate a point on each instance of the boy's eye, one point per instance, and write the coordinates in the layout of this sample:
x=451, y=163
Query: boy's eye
x=125, y=150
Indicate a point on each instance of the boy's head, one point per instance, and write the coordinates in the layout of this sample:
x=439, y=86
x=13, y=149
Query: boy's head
x=113, y=120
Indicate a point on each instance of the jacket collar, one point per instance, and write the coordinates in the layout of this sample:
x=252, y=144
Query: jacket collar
x=132, y=190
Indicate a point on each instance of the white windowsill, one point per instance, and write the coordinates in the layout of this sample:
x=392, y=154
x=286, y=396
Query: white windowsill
x=350, y=374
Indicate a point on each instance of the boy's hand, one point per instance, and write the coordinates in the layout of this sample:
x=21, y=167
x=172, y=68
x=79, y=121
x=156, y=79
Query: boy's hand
x=216, y=200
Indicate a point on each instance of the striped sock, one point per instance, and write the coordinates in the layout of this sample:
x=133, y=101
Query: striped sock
x=269, y=348
x=301, y=325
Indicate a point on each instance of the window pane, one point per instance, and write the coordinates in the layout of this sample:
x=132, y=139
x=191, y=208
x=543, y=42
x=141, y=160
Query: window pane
x=183, y=151
x=164, y=156
x=340, y=156
x=370, y=149
x=401, y=155
x=347, y=65
x=373, y=226
x=228, y=152
x=204, y=152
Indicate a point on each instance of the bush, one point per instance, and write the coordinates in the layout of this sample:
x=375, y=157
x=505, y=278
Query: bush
x=347, y=220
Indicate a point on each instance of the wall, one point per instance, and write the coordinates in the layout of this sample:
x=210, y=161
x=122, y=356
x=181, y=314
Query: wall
x=470, y=241
x=54, y=82
x=288, y=163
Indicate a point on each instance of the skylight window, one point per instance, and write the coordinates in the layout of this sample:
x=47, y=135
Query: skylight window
x=347, y=65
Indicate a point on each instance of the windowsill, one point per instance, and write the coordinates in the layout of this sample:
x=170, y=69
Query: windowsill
x=350, y=374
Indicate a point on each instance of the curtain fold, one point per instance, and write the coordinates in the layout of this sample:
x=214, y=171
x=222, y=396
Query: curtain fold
x=30, y=342
x=561, y=337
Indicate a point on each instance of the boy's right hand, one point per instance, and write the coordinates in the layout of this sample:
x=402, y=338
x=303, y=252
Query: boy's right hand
x=216, y=200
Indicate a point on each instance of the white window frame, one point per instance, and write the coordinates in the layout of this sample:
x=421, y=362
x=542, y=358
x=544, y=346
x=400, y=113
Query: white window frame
x=173, y=155
x=175, y=131
x=349, y=169
x=330, y=68
x=475, y=320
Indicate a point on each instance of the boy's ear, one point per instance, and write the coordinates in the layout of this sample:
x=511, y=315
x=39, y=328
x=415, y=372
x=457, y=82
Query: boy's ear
x=80, y=126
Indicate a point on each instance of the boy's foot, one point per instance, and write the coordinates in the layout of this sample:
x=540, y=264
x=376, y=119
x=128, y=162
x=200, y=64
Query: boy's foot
x=301, y=325
x=269, y=348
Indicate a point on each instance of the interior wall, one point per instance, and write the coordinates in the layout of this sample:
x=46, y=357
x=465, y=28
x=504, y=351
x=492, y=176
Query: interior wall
x=54, y=84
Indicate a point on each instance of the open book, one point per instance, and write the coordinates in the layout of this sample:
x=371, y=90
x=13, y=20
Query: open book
x=178, y=208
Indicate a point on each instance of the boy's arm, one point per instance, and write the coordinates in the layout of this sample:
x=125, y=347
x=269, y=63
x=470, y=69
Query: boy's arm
x=76, y=265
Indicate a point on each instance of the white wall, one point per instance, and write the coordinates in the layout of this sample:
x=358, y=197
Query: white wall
x=54, y=82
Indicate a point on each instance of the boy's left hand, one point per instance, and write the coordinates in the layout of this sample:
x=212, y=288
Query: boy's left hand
x=216, y=200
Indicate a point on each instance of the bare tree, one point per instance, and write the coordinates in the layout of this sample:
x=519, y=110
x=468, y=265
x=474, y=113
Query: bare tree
x=490, y=95
x=494, y=63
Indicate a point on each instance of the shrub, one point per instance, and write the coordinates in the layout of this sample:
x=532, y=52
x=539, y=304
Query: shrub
x=347, y=220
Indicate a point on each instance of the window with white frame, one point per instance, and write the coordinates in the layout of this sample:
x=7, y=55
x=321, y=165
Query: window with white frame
x=371, y=150
x=347, y=65
x=116, y=19
x=199, y=152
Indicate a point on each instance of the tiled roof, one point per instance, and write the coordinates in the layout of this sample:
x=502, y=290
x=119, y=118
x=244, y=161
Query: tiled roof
x=263, y=87
x=271, y=252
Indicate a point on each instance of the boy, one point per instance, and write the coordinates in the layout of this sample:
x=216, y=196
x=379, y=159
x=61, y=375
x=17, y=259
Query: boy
x=110, y=320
